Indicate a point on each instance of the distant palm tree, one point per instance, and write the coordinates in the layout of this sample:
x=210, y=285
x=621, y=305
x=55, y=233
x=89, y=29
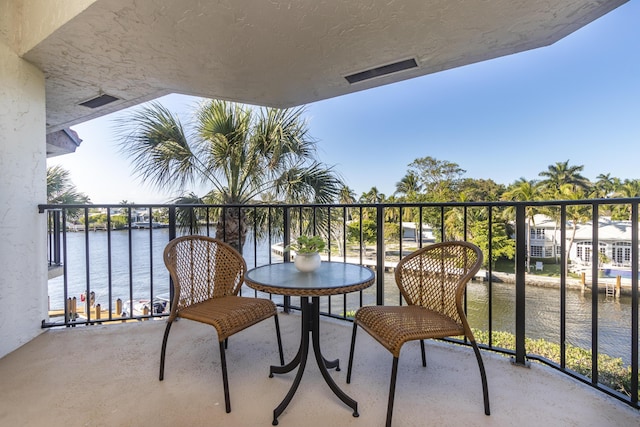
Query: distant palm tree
x=562, y=174
x=346, y=196
x=575, y=214
x=628, y=189
x=238, y=152
x=372, y=196
x=523, y=191
x=409, y=184
x=605, y=185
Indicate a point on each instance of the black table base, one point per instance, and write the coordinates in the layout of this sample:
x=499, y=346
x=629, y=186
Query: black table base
x=310, y=324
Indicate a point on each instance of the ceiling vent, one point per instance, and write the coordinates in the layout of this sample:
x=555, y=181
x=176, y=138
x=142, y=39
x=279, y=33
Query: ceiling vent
x=99, y=101
x=382, y=71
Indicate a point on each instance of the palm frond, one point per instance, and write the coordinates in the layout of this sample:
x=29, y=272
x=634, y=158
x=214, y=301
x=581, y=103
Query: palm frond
x=312, y=184
x=155, y=141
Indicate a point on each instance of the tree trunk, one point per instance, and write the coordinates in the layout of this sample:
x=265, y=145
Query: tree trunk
x=573, y=235
x=232, y=228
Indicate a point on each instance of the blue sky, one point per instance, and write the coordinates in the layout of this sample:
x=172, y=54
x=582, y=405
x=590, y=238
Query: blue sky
x=511, y=117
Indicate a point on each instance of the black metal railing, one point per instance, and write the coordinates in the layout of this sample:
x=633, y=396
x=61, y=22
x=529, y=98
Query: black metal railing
x=113, y=269
x=54, y=244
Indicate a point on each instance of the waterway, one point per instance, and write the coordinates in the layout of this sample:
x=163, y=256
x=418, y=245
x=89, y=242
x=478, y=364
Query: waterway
x=146, y=248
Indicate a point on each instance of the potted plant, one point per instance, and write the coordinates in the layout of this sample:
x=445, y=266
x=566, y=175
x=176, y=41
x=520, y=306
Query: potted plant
x=307, y=251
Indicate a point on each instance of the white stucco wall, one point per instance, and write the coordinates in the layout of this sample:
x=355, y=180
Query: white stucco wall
x=23, y=270
x=31, y=21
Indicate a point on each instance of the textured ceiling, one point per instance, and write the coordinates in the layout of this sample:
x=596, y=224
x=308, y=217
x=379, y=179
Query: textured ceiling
x=279, y=53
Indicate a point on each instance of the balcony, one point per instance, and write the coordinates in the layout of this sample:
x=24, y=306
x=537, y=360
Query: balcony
x=108, y=375
x=123, y=263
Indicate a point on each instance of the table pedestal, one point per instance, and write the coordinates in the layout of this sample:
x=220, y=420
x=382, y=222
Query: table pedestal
x=310, y=324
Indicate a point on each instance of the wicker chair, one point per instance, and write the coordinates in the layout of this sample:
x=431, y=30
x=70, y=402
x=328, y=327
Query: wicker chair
x=207, y=275
x=432, y=281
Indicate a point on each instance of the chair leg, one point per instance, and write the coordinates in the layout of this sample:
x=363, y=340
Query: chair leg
x=353, y=346
x=424, y=358
x=279, y=340
x=225, y=379
x=483, y=375
x=164, y=348
x=392, y=391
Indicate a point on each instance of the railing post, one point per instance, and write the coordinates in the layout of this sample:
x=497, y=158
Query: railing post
x=634, y=304
x=57, y=259
x=172, y=235
x=521, y=256
x=286, y=238
x=380, y=258
x=595, y=258
x=563, y=286
x=172, y=222
x=489, y=276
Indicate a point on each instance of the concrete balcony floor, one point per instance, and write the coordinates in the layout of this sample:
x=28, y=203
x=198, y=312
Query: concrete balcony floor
x=108, y=376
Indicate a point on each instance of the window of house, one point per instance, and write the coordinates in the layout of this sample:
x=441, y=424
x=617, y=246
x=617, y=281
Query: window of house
x=537, y=233
x=621, y=252
x=583, y=251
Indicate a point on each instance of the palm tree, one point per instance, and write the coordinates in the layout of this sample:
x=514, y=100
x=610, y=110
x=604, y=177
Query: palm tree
x=60, y=188
x=562, y=174
x=628, y=189
x=346, y=195
x=372, y=196
x=409, y=184
x=605, y=185
x=575, y=214
x=523, y=191
x=238, y=152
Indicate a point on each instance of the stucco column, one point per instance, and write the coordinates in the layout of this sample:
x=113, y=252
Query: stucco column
x=23, y=270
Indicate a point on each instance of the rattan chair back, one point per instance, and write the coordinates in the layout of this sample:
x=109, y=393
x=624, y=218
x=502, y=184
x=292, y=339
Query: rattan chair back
x=436, y=276
x=202, y=268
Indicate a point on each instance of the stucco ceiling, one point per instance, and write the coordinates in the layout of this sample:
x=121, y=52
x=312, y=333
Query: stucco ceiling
x=279, y=53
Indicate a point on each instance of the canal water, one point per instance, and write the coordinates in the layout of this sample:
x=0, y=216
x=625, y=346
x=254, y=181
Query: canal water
x=146, y=248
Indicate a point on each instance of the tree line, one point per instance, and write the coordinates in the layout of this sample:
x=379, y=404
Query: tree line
x=431, y=180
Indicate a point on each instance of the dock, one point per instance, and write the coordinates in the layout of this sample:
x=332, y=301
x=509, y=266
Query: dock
x=369, y=262
x=77, y=311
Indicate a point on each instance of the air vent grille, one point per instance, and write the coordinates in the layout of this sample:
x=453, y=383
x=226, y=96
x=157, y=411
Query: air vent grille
x=382, y=71
x=99, y=101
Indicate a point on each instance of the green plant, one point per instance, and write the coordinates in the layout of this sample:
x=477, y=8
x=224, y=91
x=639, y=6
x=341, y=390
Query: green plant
x=307, y=245
x=612, y=372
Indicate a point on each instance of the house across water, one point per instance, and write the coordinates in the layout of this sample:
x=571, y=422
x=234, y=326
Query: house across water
x=614, y=242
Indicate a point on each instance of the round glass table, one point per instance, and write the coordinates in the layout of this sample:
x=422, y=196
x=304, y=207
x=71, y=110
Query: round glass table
x=331, y=278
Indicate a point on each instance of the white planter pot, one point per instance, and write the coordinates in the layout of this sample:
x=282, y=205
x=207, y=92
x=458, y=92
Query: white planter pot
x=307, y=262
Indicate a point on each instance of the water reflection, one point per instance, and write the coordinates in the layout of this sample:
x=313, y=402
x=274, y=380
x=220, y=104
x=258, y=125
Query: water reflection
x=543, y=316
